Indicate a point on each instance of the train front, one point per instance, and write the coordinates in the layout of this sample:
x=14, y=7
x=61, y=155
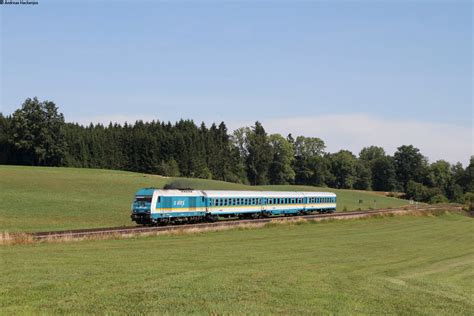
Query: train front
x=142, y=206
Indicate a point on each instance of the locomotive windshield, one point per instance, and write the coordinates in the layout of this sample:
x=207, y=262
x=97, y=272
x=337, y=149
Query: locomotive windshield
x=143, y=199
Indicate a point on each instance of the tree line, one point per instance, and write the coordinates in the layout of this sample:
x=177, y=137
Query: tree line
x=36, y=134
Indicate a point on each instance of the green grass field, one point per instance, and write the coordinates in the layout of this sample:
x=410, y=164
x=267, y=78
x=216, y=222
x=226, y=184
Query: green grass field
x=36, y=198
x=392, y=265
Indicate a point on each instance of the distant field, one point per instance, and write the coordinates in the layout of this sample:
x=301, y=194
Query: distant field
x=37, y=198
x=393, y=265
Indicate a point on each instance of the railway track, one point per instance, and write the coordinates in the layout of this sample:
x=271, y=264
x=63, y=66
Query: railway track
x=128, y=230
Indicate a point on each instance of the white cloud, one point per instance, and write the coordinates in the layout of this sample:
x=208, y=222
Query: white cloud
x=355, y=131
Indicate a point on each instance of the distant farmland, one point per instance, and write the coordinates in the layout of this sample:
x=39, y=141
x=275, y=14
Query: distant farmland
x=37, y=198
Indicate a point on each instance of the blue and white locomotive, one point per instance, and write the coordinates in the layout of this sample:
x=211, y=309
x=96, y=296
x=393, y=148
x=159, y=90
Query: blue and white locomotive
x=153, y=206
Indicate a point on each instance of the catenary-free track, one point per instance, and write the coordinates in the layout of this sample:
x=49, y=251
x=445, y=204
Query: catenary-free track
x=124, y=230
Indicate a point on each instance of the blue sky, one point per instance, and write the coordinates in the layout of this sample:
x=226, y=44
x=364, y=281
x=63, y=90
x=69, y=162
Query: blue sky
x=354, y=73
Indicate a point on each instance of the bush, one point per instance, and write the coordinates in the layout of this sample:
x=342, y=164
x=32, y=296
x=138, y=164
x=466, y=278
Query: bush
x=438, y=198
x=170, y=168
x=469, y=201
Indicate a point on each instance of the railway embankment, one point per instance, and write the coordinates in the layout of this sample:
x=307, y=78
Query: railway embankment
x=125, y=232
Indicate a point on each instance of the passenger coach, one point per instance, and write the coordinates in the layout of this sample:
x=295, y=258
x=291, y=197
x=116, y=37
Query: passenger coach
x=154, y=206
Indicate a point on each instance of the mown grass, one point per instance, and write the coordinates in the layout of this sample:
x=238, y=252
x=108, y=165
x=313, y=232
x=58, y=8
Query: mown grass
x=37, y=198
x=392, y=265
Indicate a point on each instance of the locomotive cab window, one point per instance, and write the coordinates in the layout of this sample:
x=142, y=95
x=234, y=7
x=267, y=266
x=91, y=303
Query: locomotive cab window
x=143, y=199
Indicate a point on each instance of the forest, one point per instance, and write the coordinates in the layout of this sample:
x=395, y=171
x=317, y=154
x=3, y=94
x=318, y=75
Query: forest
x=37, y=134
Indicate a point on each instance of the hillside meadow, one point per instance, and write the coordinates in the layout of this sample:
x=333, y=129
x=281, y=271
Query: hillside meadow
x=41, y=198
x=392, y=265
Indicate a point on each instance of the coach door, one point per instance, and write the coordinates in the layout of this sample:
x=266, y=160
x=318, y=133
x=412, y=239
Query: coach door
x=192, y=204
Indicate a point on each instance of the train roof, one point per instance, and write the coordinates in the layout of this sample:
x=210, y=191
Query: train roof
x=280, y=194
x=229, y=193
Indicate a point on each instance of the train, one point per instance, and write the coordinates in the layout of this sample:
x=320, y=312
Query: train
x=153, y=206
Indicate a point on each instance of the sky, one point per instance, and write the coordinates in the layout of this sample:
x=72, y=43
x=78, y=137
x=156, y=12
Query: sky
x=354, y=73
